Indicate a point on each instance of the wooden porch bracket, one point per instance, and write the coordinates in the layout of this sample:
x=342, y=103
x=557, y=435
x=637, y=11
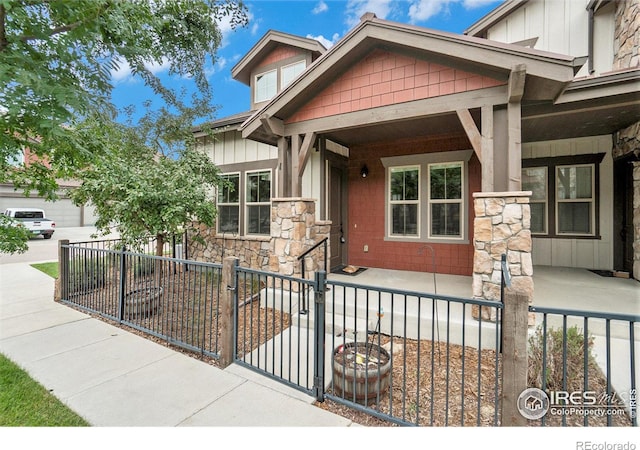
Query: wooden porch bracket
x=305, y=152
x=472, y=131
x=516, y=83
x=272, y=125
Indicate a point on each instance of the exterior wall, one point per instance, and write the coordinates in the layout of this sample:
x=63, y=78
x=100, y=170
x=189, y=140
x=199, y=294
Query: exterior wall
x=281, y=53
x=636, y=220
x=627, y=34
x=229, y=147
x=383, y=78
x=586, y=253
x=367, y=211
x=561, y=27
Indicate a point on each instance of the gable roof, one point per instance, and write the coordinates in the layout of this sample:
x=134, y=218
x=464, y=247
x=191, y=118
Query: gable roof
x=547, y=73
x=484, y=23
x=272, y=39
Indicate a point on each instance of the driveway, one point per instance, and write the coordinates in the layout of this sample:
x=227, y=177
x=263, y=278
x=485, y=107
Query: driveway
x=41, y=249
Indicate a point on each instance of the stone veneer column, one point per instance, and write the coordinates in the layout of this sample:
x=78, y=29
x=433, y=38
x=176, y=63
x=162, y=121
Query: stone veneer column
x=636, y=220
x=501, y=226
x=294, y=230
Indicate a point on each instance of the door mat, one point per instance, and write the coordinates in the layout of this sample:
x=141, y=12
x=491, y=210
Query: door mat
x=348, y=270
x=602, y=273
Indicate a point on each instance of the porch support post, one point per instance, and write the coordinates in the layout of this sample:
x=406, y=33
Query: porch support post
x=296, y=189
x=283, y=167
x=514, y=120
x=487, y=149
x=501, y=226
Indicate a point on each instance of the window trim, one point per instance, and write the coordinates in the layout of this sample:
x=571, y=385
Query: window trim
x=282, y=69
x=238, y=205
x=590, y=200
x=417, y=202
x=551, y=163
x=255, y=86
x=459, y=201
x=247, y=204
x=423, y=160
x=545, y=201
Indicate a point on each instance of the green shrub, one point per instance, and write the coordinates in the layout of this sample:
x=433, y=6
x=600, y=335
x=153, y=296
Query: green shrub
x=557, y=360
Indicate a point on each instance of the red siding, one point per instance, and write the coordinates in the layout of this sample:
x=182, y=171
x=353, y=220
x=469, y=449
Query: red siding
x=384, y=78
x=280, y=53
x=367, y=211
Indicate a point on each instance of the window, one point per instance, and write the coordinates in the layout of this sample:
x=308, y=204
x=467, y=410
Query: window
x=564, y=200
x=229, y=204
x=445, y=200
x=534, y=179
x=427, y=196
x=266, y=86
x=290, y=72
x=575, y=200
x=404, y=195
x=258, y=202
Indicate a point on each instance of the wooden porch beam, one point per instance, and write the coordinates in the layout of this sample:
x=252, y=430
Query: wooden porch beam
x=305, y=152
x=472, y=131
x=516, y=83
x=273, y=125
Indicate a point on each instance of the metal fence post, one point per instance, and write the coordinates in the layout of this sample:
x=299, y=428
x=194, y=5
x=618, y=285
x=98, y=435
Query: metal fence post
x=63, y=270
x=227, y=311
x=514, y=355
x=123, y=283
x=319, y=334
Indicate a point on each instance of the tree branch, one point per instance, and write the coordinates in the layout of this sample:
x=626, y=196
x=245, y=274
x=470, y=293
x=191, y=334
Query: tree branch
x=3, y=32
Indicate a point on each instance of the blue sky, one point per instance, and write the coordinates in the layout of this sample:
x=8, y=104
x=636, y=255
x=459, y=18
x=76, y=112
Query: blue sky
x=325, y=20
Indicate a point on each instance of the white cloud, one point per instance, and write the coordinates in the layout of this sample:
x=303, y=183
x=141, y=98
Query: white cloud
x=328, y=43
x=320, y=7
x=123, y=73
x=357, y=8
x=471, y=4
x=422, y=10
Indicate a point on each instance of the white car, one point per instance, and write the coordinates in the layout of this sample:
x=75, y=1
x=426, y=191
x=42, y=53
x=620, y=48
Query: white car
x=33, y=219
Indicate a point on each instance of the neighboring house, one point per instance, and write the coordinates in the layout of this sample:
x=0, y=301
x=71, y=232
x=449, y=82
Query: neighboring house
x=63, y=211
x=393, y=130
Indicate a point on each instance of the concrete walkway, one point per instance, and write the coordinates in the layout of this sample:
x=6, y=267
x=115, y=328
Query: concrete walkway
x=115, y=378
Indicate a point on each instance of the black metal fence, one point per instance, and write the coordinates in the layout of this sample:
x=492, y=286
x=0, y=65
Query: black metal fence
x=407, y=357
x=172, y=299
x=585, y=362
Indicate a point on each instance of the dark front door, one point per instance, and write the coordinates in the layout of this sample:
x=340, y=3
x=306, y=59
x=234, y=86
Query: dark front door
x=337, y=215
x=623, y=215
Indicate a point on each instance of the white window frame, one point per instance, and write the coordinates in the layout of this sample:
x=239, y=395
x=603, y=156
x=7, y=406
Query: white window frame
x=260, y=96
x=591, y=200
x=459, y=201
x=230, y=204
x=545, y=201
x=392, y=202
x=284, y=79
x=248, y=204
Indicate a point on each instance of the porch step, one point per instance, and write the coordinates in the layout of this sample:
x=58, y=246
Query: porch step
x=335, y=324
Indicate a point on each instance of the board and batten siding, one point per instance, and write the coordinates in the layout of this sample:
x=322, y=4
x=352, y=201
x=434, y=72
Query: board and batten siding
x=230, y=148
x=561, y=27
x=583, y=253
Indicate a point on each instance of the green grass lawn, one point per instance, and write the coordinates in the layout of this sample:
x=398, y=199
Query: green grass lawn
x=26, y=403
x=50, y=268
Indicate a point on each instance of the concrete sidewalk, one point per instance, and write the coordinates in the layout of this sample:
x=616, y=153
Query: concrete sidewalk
x=115, y=378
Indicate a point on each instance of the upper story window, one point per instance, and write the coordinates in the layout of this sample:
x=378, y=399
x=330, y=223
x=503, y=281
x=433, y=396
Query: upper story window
x=290, y=72
x=266, y=85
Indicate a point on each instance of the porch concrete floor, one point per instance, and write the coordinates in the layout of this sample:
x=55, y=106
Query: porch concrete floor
x=554, y=287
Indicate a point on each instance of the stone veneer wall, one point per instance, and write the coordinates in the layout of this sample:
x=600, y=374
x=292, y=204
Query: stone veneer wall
x=627, y=35
x=252, y=251
x=501, y=226
x=294, y=229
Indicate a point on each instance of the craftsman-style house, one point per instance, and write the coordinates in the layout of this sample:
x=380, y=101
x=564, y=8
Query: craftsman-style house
x=404, y=136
